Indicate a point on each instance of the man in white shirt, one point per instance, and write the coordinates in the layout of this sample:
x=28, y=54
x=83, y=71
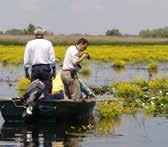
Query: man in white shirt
x=69, y=76
x=39, y=56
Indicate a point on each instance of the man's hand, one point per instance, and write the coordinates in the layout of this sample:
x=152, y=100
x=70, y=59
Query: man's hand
x=86, y=55
x=27, y=74
x=53, y=75
x=53, y=72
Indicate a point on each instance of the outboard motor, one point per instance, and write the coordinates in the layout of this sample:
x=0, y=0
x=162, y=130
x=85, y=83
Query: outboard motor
x=34, y=91
x=32, y=94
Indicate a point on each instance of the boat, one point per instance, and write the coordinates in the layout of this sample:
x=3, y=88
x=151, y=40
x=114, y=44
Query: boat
x=13, y=110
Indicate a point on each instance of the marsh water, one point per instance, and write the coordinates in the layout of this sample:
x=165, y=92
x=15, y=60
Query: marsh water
x=126, y=131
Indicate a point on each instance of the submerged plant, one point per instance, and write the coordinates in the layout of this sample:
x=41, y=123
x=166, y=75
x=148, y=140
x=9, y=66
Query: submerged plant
x=130, y=107
x=23, y=84
x=109, y=109
x=151, y=96
x=149, y=108
x=154, y=85
x=85, y=70
x=118, y=64
x=152, y=66
x=106, y=126
x=141, y=83
x=127, y=90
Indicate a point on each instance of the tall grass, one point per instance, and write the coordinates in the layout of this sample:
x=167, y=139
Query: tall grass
x=93, y=40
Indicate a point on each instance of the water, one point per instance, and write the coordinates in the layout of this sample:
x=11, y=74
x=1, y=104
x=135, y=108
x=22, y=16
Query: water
x=131, y=131
x=138, y=130
x=102, y=74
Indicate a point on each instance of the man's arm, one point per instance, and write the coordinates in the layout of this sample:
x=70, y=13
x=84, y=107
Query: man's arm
x=84, y=56
x=52, y=60
x=27, y=63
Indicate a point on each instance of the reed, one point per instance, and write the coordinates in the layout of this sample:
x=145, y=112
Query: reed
x=93, y=40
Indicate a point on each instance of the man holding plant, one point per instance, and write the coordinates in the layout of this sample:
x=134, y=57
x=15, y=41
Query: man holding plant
x=72, y=89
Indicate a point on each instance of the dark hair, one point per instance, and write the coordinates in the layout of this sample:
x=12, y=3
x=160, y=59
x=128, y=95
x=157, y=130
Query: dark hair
x=83, y=41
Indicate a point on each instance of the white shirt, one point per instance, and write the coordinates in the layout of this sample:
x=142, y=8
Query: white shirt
x=39, y=51
x=71, y=57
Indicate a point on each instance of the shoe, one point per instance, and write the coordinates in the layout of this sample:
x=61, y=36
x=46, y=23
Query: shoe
x=92, y=95
x=29, y=110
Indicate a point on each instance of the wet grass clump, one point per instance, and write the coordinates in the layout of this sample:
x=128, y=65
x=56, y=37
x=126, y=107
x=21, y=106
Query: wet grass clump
x=127, y=90
x=23, y=83
x=109, y=109
x=149, y=96
x=118, y=64
x=152, y=66
x=107, y=126
x=102, y=90
x=114, y=108
x=152, y=96
x=85, y=70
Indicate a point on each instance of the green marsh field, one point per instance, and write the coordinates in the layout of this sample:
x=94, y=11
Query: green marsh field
x=130, y=74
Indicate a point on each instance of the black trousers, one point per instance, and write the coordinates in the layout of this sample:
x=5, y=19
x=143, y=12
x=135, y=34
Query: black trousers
x=43, y=73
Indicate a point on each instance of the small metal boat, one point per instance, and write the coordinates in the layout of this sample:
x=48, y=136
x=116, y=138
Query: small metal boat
x=12, y=109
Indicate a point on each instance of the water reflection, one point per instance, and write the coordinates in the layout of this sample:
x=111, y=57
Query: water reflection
x=107, y=126
x=119, y=70
x=58, y=134
x=128, y=130
x=153, y=74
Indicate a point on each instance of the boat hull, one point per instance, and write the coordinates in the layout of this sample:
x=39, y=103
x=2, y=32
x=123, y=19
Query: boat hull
x=48, y=110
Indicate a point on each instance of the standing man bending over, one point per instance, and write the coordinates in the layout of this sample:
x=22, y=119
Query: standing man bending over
x=69, y=76
x=39, y=55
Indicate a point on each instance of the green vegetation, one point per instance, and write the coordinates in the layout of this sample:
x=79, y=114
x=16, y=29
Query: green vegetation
x=160, y=32
x=120, y=55
x=152, y=97
x=113, y=32
x=85, y=70
x=15, y=32
x=23, y=83
x=28, y=30
x=152, y=66
x=127, y=90
x=109, y=109
x=131, y=54
x=107, y=126
x=93, y=40
x=118, y=64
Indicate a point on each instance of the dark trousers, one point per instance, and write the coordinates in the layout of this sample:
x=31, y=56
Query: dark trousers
x=43, y=73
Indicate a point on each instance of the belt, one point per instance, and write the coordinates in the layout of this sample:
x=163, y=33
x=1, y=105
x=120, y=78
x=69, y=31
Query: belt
x=40, y=65
x=73, y=70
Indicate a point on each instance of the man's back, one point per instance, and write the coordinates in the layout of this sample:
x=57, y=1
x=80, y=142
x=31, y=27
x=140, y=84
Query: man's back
x=39, y=56
x=39, y=51
x=71, y=56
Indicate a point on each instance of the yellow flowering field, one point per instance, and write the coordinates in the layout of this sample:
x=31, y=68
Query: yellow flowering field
x=132, y=53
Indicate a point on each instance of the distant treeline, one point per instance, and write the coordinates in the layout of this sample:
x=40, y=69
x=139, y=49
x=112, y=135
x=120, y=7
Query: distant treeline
x=148, y=33
x=113, y=32
x=29, y=30
x=155, y=33
x=152, y=33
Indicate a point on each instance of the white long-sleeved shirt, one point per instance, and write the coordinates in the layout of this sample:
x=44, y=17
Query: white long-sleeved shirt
x=71, y=57
x=39, y=51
